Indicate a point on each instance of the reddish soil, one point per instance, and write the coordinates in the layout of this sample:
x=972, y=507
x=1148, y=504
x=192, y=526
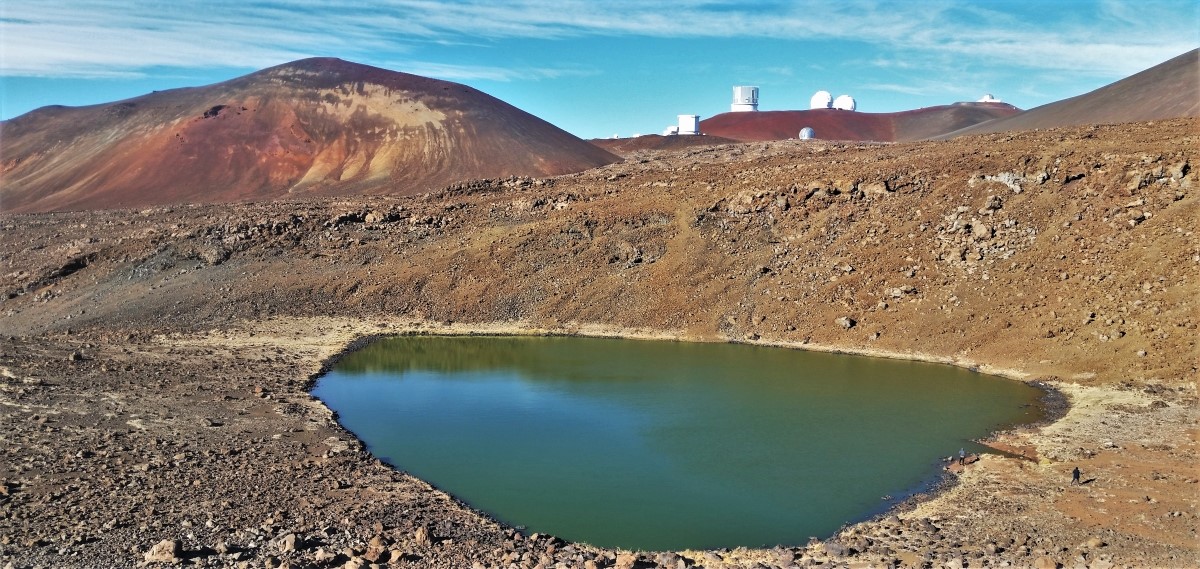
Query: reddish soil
x=316, y=127
x=629, y=146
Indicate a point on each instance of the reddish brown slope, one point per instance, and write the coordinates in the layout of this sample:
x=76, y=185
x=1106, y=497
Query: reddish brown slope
x=834, y=124
x=922, y=124
x=1167, y=90
x=312, y=127
x=626, y=146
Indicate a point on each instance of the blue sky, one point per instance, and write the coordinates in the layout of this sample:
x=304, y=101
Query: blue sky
x=598, y=68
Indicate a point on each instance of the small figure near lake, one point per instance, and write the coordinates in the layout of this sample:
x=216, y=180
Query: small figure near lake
x=1075, y=476
x=962, y=457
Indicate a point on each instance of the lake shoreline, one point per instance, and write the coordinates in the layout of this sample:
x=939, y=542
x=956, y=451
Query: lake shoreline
x=935, y=503
x=281, y=358
x=366, y=393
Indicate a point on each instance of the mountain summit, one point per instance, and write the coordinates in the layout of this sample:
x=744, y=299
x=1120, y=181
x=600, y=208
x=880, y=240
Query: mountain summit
x=314, y=127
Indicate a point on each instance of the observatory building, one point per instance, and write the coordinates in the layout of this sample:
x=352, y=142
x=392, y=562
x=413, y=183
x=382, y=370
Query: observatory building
x=821, y=100
x=807, y=133
x=844, y=103
x=689, y=124
x=745, y=99
x=988, y=98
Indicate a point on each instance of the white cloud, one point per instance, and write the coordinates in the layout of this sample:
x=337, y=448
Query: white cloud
x=491, y=73
x=107, y=37
x=910, y=89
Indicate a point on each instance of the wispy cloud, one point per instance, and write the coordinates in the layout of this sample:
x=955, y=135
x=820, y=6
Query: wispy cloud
x=912, y=89
x=115, y=37
x=490, y=73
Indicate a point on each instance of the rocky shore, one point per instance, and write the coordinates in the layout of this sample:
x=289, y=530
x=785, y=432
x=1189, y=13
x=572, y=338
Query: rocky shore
x=155, y=365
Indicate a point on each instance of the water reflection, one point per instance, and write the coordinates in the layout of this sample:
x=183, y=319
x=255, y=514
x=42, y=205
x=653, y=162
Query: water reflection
x=661, y=444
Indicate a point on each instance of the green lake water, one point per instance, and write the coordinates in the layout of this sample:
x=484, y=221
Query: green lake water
x=664, y=445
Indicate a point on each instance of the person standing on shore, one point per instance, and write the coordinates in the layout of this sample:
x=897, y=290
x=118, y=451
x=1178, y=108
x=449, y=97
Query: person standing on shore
x=1075, y=476
x=962, y=457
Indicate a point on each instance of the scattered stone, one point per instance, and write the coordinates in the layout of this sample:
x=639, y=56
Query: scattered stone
x=1045, y=562
x=288, y=543
x=846, y=322
x=668, y=559
x=626, y=561
x=981, y=231
x=1101, y=564
x=376, y=550
x=874, y=187
x=421, y=537
x=323, y=556
x=165, y=551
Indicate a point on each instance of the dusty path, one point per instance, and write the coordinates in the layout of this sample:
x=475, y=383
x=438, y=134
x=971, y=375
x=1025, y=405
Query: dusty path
x=155, y=363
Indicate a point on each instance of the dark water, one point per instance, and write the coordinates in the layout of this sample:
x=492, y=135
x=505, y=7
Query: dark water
x=664, y=445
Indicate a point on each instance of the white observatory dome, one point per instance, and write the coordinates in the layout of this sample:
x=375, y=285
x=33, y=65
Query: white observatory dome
x=988, y=98
x=821, y=100
x=807, y=133
x=745, y=99
x=844, y=102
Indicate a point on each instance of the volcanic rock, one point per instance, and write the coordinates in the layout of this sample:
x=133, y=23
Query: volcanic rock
x=165, y=551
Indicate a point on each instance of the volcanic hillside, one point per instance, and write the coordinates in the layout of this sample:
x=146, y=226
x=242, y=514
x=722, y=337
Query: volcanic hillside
x=835, y=124
x=317, y=126
x=657, y=142
x=1168, y=90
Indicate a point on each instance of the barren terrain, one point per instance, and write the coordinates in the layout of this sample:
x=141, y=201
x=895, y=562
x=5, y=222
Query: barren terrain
x=155, y=363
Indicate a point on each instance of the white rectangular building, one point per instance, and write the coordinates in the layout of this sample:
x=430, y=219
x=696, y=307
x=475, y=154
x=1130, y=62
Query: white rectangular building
x=689, y=124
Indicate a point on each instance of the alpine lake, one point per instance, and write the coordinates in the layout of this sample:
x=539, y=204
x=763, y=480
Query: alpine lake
x=656, y=445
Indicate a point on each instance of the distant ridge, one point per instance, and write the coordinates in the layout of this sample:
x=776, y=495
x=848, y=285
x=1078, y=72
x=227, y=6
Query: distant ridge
x=625, y=146
x=834, y=124
x=319, y=126
x=1168, y=90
